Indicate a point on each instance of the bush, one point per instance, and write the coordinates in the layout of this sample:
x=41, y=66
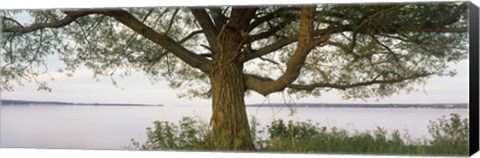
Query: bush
x=449, y=137
x=189, y=135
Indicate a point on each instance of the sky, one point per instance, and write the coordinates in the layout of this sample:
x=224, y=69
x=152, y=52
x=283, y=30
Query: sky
x=137, y=88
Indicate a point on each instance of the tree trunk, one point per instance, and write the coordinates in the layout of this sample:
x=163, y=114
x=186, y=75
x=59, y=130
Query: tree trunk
x=229, y=120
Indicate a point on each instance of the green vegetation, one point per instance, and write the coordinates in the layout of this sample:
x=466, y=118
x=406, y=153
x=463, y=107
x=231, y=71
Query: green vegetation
x=189, y=135
x=449, y=136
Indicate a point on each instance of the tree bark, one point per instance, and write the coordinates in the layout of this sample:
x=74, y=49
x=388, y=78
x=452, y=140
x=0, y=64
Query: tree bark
x=229, y=120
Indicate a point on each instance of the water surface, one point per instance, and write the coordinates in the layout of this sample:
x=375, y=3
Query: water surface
x=112, y=127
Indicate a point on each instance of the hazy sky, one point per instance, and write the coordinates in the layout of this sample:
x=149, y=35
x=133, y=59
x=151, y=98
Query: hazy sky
x=138, y=89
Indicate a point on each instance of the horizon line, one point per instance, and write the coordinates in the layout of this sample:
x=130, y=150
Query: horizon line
x=1, y=99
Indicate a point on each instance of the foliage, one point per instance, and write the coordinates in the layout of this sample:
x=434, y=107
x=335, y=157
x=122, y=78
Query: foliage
x=449, y=134
x=449, y=137
x=401, y=44
x=190, y=134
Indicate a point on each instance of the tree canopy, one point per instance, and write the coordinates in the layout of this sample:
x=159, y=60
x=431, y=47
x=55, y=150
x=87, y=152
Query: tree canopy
x=363, y=49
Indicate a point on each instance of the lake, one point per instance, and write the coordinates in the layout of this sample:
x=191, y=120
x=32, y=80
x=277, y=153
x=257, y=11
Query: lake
x=112, y=127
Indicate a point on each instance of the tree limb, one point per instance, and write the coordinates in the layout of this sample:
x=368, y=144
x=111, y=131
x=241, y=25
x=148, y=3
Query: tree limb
x=172, y=19
x=257, y=83
x=218, y=17
x=390, y=51
x=186, y=38
x=279, y=66
x=295, y=63
x=270, y=48
x=397, y=28
x=275, y=14
x=376, y=14
x=12, y=20
x=375, y=80
x=450, y=20
x=289, y=40
x=444, y=30
x=161, y=39
x=268, y=33
x=209, y=29
x=71, y=16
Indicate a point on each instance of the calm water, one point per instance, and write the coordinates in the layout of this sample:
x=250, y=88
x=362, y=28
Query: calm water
x=112, y=127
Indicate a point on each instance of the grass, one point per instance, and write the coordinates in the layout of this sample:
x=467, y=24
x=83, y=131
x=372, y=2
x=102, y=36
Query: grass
x=449, y=136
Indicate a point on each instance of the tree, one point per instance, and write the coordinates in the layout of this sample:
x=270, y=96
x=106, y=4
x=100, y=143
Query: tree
x=363, y=50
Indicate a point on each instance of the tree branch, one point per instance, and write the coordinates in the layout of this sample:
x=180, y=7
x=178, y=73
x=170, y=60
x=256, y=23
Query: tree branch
x=172, y=19
x=257, y=83
x=397, y=28
x=270, y=48
x=277, y=13
x=450, y=20
x=71, y=16
x=209, y=29
x=390, y=51
x=161, y=39
x=295, y=63
x=218, y=17
x=273, y=62
x=289, y=40
x=375, y=80
x=376, y=14
x=268, y=33
x=444, y=30
x=12, y=20
x=186, y=38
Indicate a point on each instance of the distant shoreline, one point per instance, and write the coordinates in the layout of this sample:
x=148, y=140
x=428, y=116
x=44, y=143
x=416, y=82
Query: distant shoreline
x=25, y=102
x=297, y=105
x=357, y=105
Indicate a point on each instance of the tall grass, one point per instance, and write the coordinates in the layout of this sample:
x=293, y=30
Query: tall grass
x=449, y=136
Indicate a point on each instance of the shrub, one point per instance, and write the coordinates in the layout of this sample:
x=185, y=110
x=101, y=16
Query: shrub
x=449, y=137
x=189, y=135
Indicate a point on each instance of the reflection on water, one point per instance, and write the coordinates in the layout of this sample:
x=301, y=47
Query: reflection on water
x=112, y=127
